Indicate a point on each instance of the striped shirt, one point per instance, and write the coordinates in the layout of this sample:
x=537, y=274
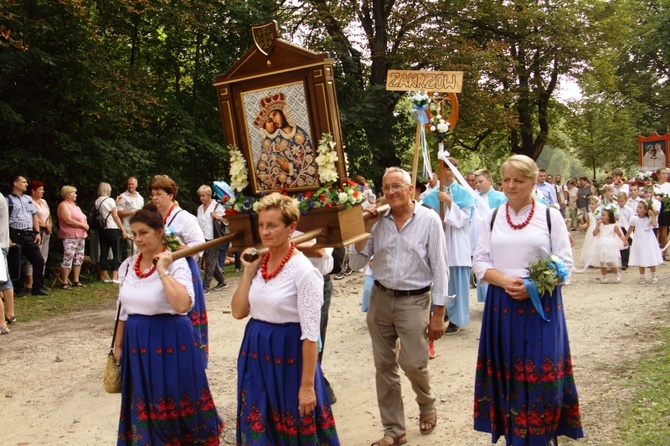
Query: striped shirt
x=22, y=212
x=413, y=258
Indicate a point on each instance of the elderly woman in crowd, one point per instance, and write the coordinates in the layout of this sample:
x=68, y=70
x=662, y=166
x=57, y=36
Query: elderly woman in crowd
x=36, y=190
x=111, y=234
x=209, y=211
x=282, y=397
x=72, y=229
x=524, y=385
x=183, y=225
x=165, y=396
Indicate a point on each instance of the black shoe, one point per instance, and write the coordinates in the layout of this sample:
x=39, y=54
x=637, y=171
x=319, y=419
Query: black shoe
x=205, y=291
x=339, y=276
x=221, y=286
x=452, y=329
x=331, y=395
x=40, y=292
x=347, y=272
x=20, y=294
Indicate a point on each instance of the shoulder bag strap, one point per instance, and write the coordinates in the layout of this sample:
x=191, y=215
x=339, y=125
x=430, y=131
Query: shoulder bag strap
x=174, y=216
x=116, y=326
x=118, y=312
x=493, y=217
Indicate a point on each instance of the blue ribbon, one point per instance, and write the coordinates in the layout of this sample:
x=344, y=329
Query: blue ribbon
x=531, y=287
x=419, y=113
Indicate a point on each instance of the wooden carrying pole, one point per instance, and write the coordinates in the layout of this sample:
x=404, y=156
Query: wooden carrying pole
x=309, y=235
x=192, y=250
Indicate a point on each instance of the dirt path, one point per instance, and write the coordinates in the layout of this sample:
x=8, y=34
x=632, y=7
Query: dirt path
x=52, y=369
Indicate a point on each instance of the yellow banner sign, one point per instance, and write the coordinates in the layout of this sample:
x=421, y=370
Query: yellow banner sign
x=434, y=81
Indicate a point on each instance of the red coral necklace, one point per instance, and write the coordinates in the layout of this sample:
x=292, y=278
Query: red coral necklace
x=266, y=258
x=174, y=205
x=149, y=272
x=524, y=223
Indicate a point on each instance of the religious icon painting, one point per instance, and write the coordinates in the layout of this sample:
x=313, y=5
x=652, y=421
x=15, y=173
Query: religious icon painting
x=278, y=128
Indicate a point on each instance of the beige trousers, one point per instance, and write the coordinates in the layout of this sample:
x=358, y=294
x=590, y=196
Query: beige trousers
x=405, y=319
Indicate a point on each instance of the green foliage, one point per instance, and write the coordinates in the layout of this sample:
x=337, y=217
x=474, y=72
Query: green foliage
x=647, y=419
x=100, y=90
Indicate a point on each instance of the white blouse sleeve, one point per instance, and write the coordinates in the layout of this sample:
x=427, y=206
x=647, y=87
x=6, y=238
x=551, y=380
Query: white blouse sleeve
x=309, y=285
x=191, y=233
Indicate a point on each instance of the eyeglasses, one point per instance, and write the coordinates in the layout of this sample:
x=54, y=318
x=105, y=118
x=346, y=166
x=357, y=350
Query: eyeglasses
x=393, y=187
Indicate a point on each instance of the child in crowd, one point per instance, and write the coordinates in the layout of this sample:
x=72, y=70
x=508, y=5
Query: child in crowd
x=607, y=242
x=633, y=197
x=625, y=216
x=608, y=195
x=590, y=225
x=645, y=252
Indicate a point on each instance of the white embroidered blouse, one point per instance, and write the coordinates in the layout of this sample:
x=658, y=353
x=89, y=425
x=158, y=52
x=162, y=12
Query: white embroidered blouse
x=510, y=250
x=185, y=225
x=147, y=296
x=294, y=295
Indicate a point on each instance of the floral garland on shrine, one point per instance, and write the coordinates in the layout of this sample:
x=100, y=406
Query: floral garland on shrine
x=327, y=196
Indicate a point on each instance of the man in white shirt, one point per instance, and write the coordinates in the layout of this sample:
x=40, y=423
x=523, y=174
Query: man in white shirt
x=547, y=190
x=127, y=204
x=561, y=190
x=411, y=272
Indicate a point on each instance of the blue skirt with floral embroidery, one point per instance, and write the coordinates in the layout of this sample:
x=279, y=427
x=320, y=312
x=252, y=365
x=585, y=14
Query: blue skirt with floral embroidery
x=198, y=313
x=524, y=386
x=165, y=397
x=269, y=371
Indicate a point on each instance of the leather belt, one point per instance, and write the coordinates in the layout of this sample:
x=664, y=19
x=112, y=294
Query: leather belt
x=401, y=293
x=23, y=232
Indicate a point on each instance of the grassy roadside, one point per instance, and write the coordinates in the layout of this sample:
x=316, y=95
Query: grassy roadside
x=647, y=420
x=61, y=302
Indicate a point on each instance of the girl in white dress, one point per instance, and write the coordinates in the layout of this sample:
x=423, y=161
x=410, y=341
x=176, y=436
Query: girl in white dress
x=609, y=239
x=644, y=251
x=594, y=202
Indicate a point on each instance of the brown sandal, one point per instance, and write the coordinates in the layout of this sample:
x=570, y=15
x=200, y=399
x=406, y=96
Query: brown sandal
x=429, y=419
x=395, y=441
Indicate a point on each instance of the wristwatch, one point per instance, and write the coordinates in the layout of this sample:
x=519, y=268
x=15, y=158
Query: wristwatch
x=161, y=275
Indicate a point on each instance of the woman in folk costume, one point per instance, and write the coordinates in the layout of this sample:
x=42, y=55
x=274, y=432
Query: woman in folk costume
x=183, y=225
x=281, y=393
x=165, y=396
x=458, y=204
x=524, y=385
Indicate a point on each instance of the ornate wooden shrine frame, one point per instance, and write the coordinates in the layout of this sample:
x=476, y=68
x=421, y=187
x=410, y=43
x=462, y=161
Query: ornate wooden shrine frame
x=276, y=102
x=653, y=151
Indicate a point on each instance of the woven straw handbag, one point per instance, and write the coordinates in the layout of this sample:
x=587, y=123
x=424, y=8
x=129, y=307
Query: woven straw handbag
x=111, y=379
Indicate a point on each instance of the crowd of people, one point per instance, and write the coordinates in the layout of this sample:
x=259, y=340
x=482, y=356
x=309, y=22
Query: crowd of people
x=419, y=257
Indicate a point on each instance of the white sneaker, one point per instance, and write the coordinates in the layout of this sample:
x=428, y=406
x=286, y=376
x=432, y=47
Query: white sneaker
x=604, y=280
x=617, y=278
x=115, y=281
x=654, y=279
x=642, y=280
